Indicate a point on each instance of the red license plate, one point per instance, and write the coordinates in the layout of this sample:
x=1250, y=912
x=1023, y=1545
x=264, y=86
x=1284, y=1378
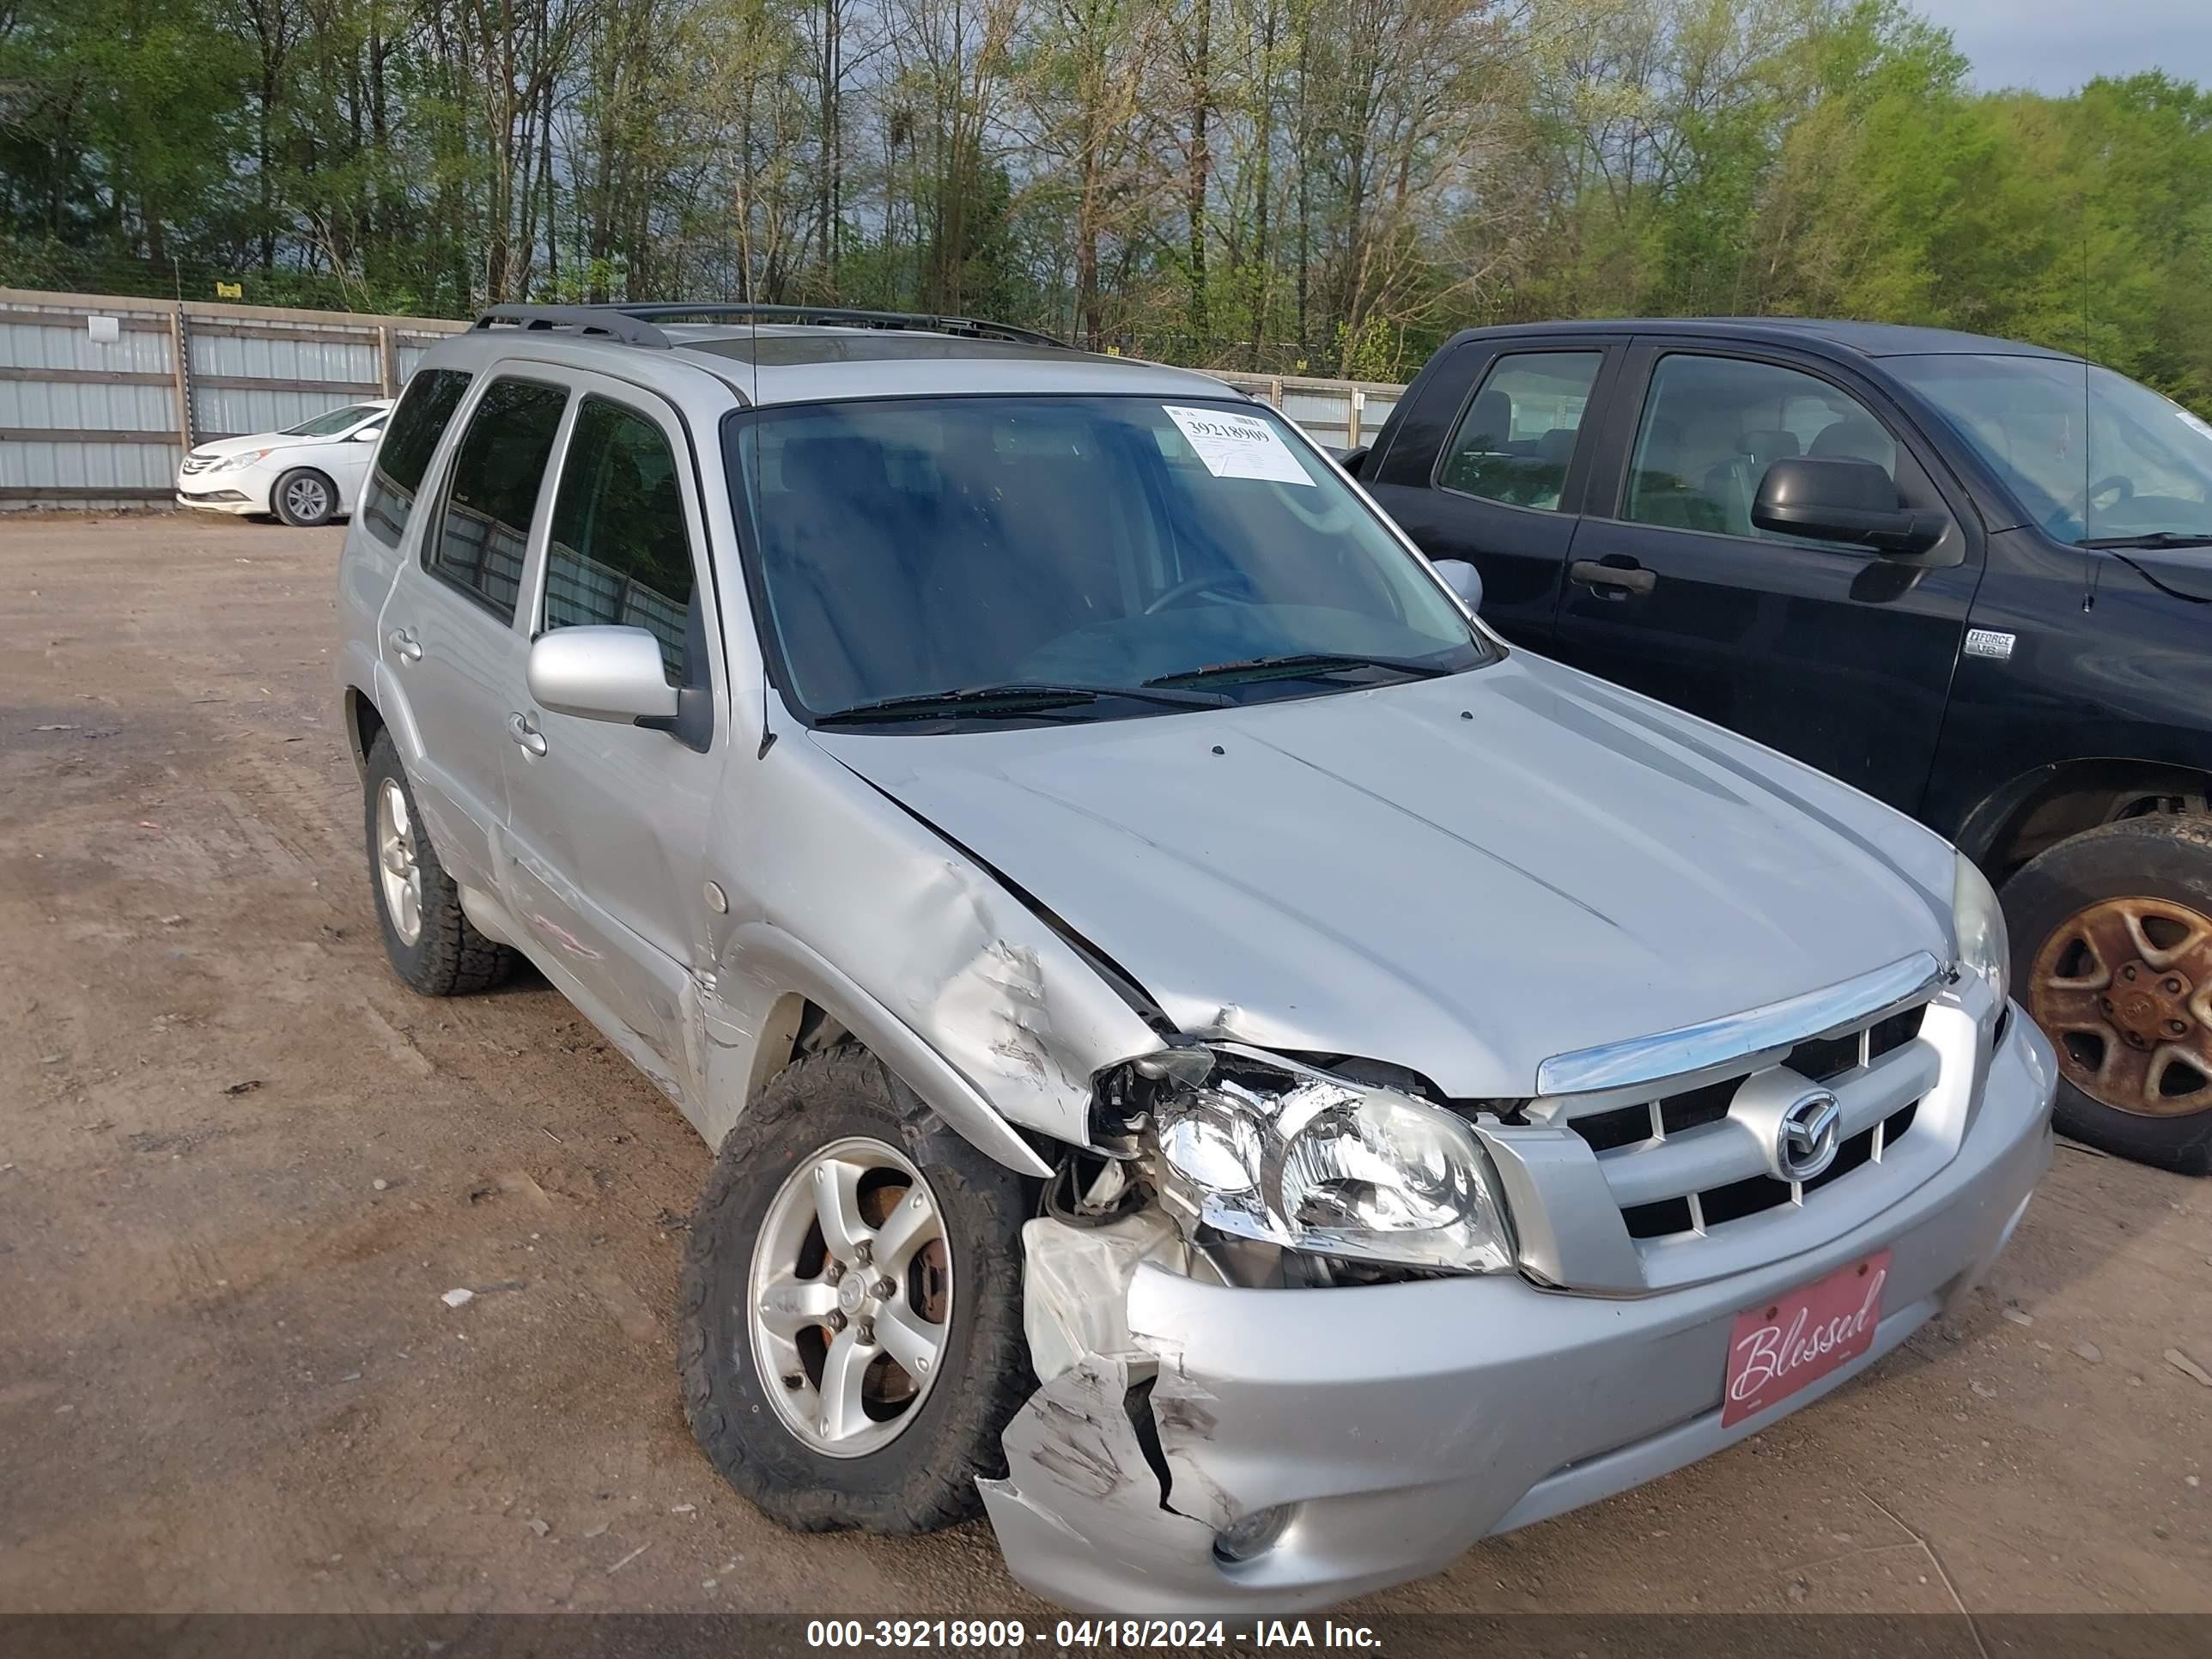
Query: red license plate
x=1779, y=1346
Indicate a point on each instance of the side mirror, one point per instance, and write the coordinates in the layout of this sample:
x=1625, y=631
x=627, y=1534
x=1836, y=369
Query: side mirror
x=367, y=434
x=1832, y=499
x=1464, y=580
x=601, y=674
x=1353, y=459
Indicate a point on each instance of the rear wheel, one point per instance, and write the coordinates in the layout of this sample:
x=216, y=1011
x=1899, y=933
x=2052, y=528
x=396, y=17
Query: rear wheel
x=2112, y=941
x=431, y=943
x=304, y=498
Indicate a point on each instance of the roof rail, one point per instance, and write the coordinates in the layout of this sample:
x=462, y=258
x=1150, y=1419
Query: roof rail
x=838, y=316
x=585, y=319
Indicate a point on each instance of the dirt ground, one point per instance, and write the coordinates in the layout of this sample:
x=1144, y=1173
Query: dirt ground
x=239, y=1164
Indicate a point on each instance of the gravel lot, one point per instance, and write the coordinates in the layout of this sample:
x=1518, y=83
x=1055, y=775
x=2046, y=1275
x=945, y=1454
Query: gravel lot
x=239, y=1164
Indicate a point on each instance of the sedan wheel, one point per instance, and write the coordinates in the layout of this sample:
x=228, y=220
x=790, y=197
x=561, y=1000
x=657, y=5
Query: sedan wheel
x=304, y=498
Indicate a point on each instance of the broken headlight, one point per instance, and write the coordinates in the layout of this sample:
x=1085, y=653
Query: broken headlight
x=1296, y=1158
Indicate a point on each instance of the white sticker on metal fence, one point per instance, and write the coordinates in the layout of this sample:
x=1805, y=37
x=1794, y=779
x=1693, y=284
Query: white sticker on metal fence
x=1235, y=445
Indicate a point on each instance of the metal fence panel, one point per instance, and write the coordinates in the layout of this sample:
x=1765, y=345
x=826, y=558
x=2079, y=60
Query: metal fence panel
x=259, y=369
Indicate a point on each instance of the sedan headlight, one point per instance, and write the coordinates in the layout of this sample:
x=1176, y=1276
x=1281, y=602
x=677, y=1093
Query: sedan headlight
x=1313, y=1163
x=1978, y=921
x=244, y=457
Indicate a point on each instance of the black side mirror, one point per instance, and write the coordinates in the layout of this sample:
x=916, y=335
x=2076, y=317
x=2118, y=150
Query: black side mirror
x=1353, y=459
x=1836, y=500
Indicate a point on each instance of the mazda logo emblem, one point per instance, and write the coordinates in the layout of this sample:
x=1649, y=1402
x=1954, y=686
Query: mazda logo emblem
x=1811, y=1132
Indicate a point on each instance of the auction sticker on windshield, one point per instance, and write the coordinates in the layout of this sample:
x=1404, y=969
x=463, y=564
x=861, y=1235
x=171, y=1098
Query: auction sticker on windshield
x=1779, y=1346
x=1235, y=445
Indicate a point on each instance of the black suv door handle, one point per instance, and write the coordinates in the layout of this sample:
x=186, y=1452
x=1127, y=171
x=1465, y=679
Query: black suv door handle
x=1631, y=578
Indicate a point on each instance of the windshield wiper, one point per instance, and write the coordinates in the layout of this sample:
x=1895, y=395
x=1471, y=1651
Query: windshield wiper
x=1298, y=664
x=2150, y=539
x=1009, y=700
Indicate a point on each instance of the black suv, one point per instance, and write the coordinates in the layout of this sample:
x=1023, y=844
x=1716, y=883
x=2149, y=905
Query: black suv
x=1972, y=577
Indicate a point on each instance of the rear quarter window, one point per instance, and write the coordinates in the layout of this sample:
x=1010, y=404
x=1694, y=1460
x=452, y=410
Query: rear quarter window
x=410, y=441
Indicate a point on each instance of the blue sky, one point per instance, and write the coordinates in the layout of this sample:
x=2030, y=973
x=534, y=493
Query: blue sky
x=2053, y=46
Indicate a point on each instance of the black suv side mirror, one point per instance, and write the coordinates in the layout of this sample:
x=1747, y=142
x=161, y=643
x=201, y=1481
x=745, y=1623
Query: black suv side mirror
x=1837, y=500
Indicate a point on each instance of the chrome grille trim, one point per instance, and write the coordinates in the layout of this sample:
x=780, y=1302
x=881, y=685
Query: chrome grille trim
x=1724, y=1042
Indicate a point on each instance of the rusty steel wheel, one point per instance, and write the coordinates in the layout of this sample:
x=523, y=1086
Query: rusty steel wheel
x=2125, y=989
x=2111, y=952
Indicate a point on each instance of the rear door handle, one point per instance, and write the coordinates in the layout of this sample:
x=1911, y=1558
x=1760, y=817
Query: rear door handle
x=527, y=736
x=1631, y=578
x=404, y=646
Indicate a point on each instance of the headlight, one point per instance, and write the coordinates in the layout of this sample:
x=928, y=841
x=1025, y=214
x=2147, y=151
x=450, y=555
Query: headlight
x=244, y=457
x=1979, y=924
x=1312, y=1163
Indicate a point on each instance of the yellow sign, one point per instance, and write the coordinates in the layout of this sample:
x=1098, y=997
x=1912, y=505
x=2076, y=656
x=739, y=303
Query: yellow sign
x=230, y=290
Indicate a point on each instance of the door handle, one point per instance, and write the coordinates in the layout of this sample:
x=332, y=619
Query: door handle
x=404, y=646
x=1629, y=578
x=527, y=736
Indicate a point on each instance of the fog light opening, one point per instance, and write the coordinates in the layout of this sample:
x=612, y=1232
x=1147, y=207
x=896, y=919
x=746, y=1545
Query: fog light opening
x=1254, y=1536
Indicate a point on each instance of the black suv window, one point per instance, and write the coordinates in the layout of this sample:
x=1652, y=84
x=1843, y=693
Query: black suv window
x=1514, y=440
x=1713, y=425
x=498, y=473
x=620, y=553
x=417, y=425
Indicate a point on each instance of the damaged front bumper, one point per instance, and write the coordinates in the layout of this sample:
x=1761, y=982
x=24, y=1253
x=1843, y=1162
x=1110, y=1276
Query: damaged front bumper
x=1404, y=1423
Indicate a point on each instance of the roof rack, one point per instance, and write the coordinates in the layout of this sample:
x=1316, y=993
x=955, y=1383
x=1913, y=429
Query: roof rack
x=633, y=325
x=974, y=328
x=585, y=319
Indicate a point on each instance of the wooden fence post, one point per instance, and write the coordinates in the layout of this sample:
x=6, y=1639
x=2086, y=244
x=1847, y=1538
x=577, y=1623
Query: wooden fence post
x=180, y=353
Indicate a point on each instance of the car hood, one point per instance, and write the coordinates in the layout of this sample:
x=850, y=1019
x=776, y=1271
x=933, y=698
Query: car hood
x=216, y=448
x=1465, y=876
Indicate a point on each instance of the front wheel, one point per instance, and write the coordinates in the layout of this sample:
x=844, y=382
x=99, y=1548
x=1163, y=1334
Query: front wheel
x=304, y=498
x=2111, y=952
x=850, y=1343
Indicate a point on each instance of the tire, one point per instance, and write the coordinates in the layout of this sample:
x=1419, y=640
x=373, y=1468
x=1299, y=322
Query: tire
x=304, y=498
x=925, y=1476
x=446, y=956
x=2108, y=881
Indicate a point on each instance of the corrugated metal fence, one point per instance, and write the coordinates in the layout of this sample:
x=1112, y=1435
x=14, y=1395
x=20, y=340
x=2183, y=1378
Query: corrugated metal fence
x=100, y=395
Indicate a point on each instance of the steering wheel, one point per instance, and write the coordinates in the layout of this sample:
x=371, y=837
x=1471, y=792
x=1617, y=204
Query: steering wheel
x=2118, y=481
x=1206, y=581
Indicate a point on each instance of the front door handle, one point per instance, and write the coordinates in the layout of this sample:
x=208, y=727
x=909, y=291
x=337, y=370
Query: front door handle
x=1629, y=578
x=404, y=646
x=527, y=736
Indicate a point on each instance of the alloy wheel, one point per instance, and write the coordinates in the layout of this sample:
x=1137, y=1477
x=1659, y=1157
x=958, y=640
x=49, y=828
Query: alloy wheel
x=2125, y=989
x=396, y=866
x=851, y=1297
x=307, y=501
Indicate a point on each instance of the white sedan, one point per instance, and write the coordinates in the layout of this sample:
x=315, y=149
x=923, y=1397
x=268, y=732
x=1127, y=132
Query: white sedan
x=307, y=474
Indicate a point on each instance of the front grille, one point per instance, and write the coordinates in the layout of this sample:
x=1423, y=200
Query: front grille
x=1708, y=1176
x=194, y=464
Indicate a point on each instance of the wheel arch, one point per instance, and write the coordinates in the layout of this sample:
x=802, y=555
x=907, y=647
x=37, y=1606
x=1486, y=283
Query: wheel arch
x=2044, y=805
x=807, y=1003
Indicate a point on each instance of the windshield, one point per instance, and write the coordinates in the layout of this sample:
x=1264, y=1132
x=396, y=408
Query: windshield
x=330, y=425
x=2103, y=460
x=924, y=545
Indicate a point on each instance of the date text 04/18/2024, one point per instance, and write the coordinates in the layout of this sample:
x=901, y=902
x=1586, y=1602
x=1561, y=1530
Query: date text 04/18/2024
x=1086, y=1635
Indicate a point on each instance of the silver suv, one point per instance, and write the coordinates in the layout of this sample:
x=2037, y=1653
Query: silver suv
x=1209, y=1053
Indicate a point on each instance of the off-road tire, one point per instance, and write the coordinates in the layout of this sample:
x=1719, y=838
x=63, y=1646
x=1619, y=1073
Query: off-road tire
x=451, y=957
x=925, y=1477
x=282, y=509
x=2160, y=857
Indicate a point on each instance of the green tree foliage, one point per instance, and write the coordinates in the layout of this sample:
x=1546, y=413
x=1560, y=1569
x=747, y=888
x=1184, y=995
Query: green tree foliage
x=1327, y=185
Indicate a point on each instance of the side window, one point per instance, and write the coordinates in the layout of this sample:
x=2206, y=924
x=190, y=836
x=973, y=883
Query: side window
x=1514, y=440
x=498, y=473
x=1713, y=425
x=417, y=425
x=620, y=553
